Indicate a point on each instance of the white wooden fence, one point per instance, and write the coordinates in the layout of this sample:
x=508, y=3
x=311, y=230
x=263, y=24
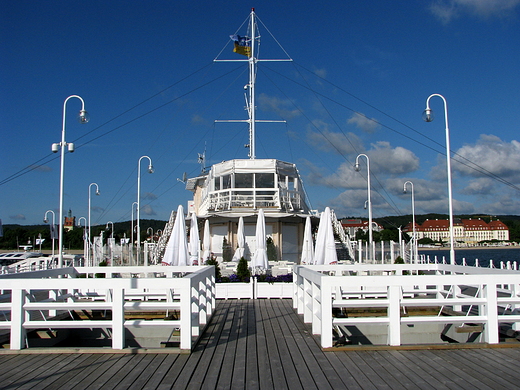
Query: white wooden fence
x=319, y=289
x=189, y=290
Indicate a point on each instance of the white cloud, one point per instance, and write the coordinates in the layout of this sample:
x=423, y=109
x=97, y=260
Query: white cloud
x=447, y=10
x=97, y=209
x=503, y=204
x=321, y=73
x=480, y=187
x=395, y=161
x=41, y=168
x=368, y=125
x=424, y=190
x=442, y=206
x=493, y=155
x=340, y=143
x=284, y=108
x=198, y=119
x=148, y=210
x=149, y=196
x=18, y=217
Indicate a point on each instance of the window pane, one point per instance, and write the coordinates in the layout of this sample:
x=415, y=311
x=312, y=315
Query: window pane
x=243, y=180
x=264, y=180
x=226, y=182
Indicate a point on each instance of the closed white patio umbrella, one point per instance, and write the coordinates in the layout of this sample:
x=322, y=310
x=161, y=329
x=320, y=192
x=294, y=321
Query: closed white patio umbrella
x=206, y=243
x=308, y=244
x=194, y=241
x=325, y=251
x=176, y=252
x=241, y=240
x=260, y=259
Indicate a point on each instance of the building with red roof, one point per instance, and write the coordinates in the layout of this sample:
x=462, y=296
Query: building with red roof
x=351, y=226
x=468, y=231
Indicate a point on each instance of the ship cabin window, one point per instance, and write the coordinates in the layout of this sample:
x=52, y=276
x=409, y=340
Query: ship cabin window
x=282, y=181
x=223, y=182
x=291, y=183
x=243, y=180
x=264, y=180
x=226, y=182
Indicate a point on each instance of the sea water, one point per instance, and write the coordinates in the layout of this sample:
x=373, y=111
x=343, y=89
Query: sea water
x=484, y=256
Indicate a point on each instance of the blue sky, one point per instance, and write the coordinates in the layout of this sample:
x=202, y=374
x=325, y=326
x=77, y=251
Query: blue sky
x=358, y=83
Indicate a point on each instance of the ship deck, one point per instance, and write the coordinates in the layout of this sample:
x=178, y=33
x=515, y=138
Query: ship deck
x=261, y=344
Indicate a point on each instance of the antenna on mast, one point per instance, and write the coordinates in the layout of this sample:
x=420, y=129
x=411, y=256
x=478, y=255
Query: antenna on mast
x=246, y=46
x=202, y=160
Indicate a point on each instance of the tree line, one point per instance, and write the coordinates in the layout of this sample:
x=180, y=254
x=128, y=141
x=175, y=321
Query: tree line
x=16, y=235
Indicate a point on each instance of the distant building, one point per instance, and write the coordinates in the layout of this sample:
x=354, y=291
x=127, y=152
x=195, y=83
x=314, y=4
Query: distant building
x=351, y=226
x=69, y=222
x=468, y=231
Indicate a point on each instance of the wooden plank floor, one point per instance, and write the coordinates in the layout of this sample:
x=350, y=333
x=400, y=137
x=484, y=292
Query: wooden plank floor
x=262, y=344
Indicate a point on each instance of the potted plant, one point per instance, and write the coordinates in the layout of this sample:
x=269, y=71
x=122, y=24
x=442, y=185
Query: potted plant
x=238, y=285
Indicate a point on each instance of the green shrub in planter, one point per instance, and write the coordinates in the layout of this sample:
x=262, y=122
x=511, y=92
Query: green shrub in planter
x=243, y=272
x=213, y=261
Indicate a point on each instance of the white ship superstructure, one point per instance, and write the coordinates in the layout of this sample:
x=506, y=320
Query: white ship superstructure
x=241, y=187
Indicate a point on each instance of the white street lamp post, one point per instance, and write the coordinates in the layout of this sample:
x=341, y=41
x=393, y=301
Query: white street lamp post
x=150, y=170
x=132, y=233
x=85, y=253
x=414, y=237
x=111, y=243
x=89, y=209
x=149, y=245
x=45, y=219
x=356, y=167
x=428, y=117
x=82, y=118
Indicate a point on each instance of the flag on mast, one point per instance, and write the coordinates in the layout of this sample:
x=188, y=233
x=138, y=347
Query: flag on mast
x=242, y=45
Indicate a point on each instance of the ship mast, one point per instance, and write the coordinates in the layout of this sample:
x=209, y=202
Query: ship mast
x=252, y=79
x=250, y=87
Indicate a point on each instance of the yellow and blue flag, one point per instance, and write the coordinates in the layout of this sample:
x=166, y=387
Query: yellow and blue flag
x=242, y=45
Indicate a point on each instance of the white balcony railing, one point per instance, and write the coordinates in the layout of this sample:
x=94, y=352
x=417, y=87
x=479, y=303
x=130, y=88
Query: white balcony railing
x=252, y=198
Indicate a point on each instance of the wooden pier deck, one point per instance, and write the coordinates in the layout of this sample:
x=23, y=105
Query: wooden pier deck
x=262, y=344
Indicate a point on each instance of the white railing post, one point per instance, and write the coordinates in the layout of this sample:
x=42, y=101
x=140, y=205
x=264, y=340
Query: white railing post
x=394, y=315
x=213, y=292
x=185, y=312
x=18, y=317
x=53, y=295
x=491, y=311
x=195, y=308
x=203, y=301
x=515, y=290
x=307, y=301
x=325, y=313
x=118, y=318
x=316, y=308
x=456, y=292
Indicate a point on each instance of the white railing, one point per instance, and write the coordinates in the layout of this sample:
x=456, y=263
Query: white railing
x=189, y=290
x=317, y=292
x=254, y=198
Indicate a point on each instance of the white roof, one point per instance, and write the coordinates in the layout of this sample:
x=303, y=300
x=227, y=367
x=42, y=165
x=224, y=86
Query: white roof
x=250, y=166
